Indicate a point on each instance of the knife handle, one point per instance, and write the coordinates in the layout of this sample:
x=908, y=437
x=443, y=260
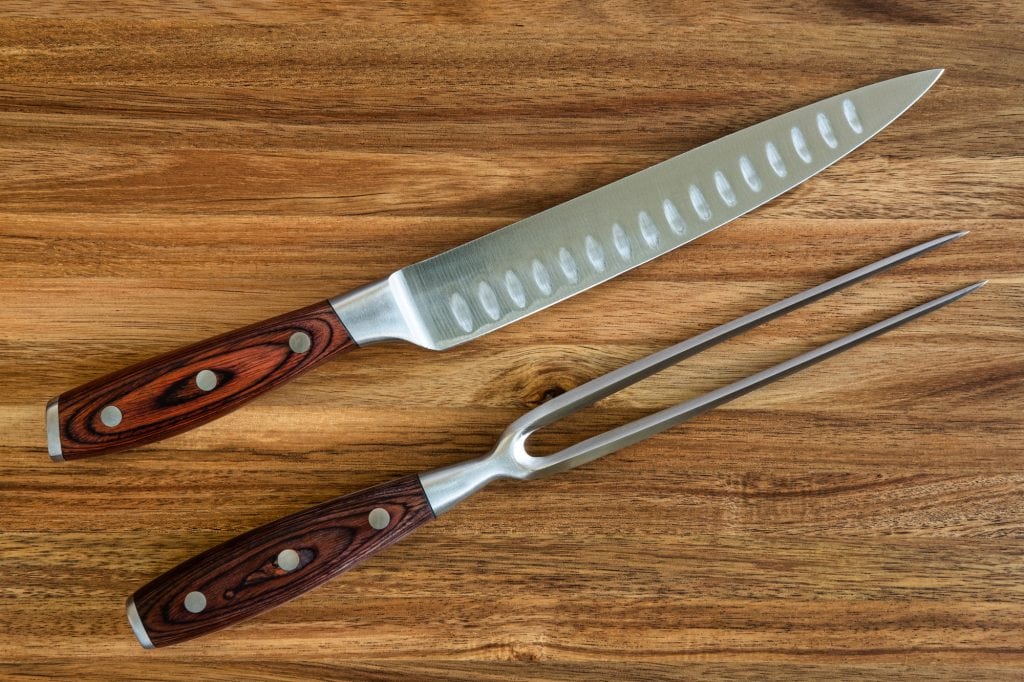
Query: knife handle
x=275, y=563
x=191, y=386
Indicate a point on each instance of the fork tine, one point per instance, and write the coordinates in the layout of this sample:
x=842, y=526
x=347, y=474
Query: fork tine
x=642, y=428
x=614, y=381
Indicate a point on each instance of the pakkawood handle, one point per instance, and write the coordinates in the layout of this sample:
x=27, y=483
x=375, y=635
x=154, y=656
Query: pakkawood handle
x=275, y=563
x=191, y=386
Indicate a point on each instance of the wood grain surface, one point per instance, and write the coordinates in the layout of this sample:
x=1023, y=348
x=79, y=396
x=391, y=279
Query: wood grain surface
x=172, y=170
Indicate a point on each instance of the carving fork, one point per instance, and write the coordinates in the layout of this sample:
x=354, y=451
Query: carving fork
x=283, y=559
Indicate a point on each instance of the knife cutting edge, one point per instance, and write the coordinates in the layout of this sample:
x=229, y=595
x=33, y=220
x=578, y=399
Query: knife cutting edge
x=486, y=283
x=286, y=558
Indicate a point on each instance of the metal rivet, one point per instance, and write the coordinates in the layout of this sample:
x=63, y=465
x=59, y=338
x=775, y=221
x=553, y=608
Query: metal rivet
x=195, y=602
x=206, y=380
x=288, y=560
x=110, y=416
x=379, y=518
x=300, y=342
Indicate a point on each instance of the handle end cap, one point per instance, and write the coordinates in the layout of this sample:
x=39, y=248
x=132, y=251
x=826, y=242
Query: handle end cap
x=137, y=627
x=53, y=431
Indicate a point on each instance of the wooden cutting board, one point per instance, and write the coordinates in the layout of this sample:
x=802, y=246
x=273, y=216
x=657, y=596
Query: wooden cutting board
x=172, y=170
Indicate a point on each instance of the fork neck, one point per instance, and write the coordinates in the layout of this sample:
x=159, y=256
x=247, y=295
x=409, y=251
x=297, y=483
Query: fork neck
x=447, y=486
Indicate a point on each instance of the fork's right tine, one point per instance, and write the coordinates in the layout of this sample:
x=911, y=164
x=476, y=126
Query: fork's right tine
x=607, y=384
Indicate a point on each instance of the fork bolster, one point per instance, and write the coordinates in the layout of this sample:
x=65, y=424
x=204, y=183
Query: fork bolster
x=447, y=486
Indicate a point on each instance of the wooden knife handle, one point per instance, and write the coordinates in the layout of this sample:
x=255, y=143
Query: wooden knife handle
x=191, y=386
x=275, y=563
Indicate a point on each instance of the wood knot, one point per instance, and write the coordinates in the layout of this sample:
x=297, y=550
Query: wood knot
x=538, y=382
x=543, y=389
x=552, y=392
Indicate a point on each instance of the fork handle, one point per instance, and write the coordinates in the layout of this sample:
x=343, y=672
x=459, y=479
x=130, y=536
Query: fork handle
x=275, y=563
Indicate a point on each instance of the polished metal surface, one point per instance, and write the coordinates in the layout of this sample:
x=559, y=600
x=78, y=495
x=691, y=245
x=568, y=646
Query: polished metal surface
x=53, y=431
x=300, y=342
x=110, y=416
x=288, y=560
x=499, y=278
x=206, y=380
x=137, y=627
x=195, y=602
x=382, y=311
x=448, y=486
x=379, y=518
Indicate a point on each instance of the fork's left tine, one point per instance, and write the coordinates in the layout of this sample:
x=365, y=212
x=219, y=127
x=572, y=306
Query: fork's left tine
x=614, y=381
x=642, y=428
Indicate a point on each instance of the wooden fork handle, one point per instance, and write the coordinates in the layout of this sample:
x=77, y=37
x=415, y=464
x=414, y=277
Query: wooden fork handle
x=275, y=563
x=191, y=386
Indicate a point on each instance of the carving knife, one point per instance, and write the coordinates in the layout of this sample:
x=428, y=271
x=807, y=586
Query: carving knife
x=484, y=284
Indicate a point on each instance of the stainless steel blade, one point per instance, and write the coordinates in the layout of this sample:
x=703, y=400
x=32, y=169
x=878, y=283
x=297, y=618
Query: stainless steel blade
x=513, y=272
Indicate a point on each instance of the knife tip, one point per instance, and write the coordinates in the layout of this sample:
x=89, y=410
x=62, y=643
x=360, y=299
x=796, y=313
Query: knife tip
x=933, y=75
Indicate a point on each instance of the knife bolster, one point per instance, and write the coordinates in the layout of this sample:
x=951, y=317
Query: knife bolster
x=382, y=311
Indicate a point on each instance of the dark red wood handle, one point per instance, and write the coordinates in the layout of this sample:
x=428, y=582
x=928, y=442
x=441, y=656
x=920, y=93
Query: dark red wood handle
x=191, y=386
x=275, y=563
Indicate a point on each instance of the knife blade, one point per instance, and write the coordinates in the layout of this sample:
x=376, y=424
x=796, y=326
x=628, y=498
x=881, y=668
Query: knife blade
x=484, y=284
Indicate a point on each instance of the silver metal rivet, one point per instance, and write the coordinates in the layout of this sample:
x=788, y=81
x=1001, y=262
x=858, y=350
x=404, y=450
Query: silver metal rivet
x=379, y=518
x=288, y=560
x=206, y=380
x=300, y=342
x=110, y=416
x=195, y=602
